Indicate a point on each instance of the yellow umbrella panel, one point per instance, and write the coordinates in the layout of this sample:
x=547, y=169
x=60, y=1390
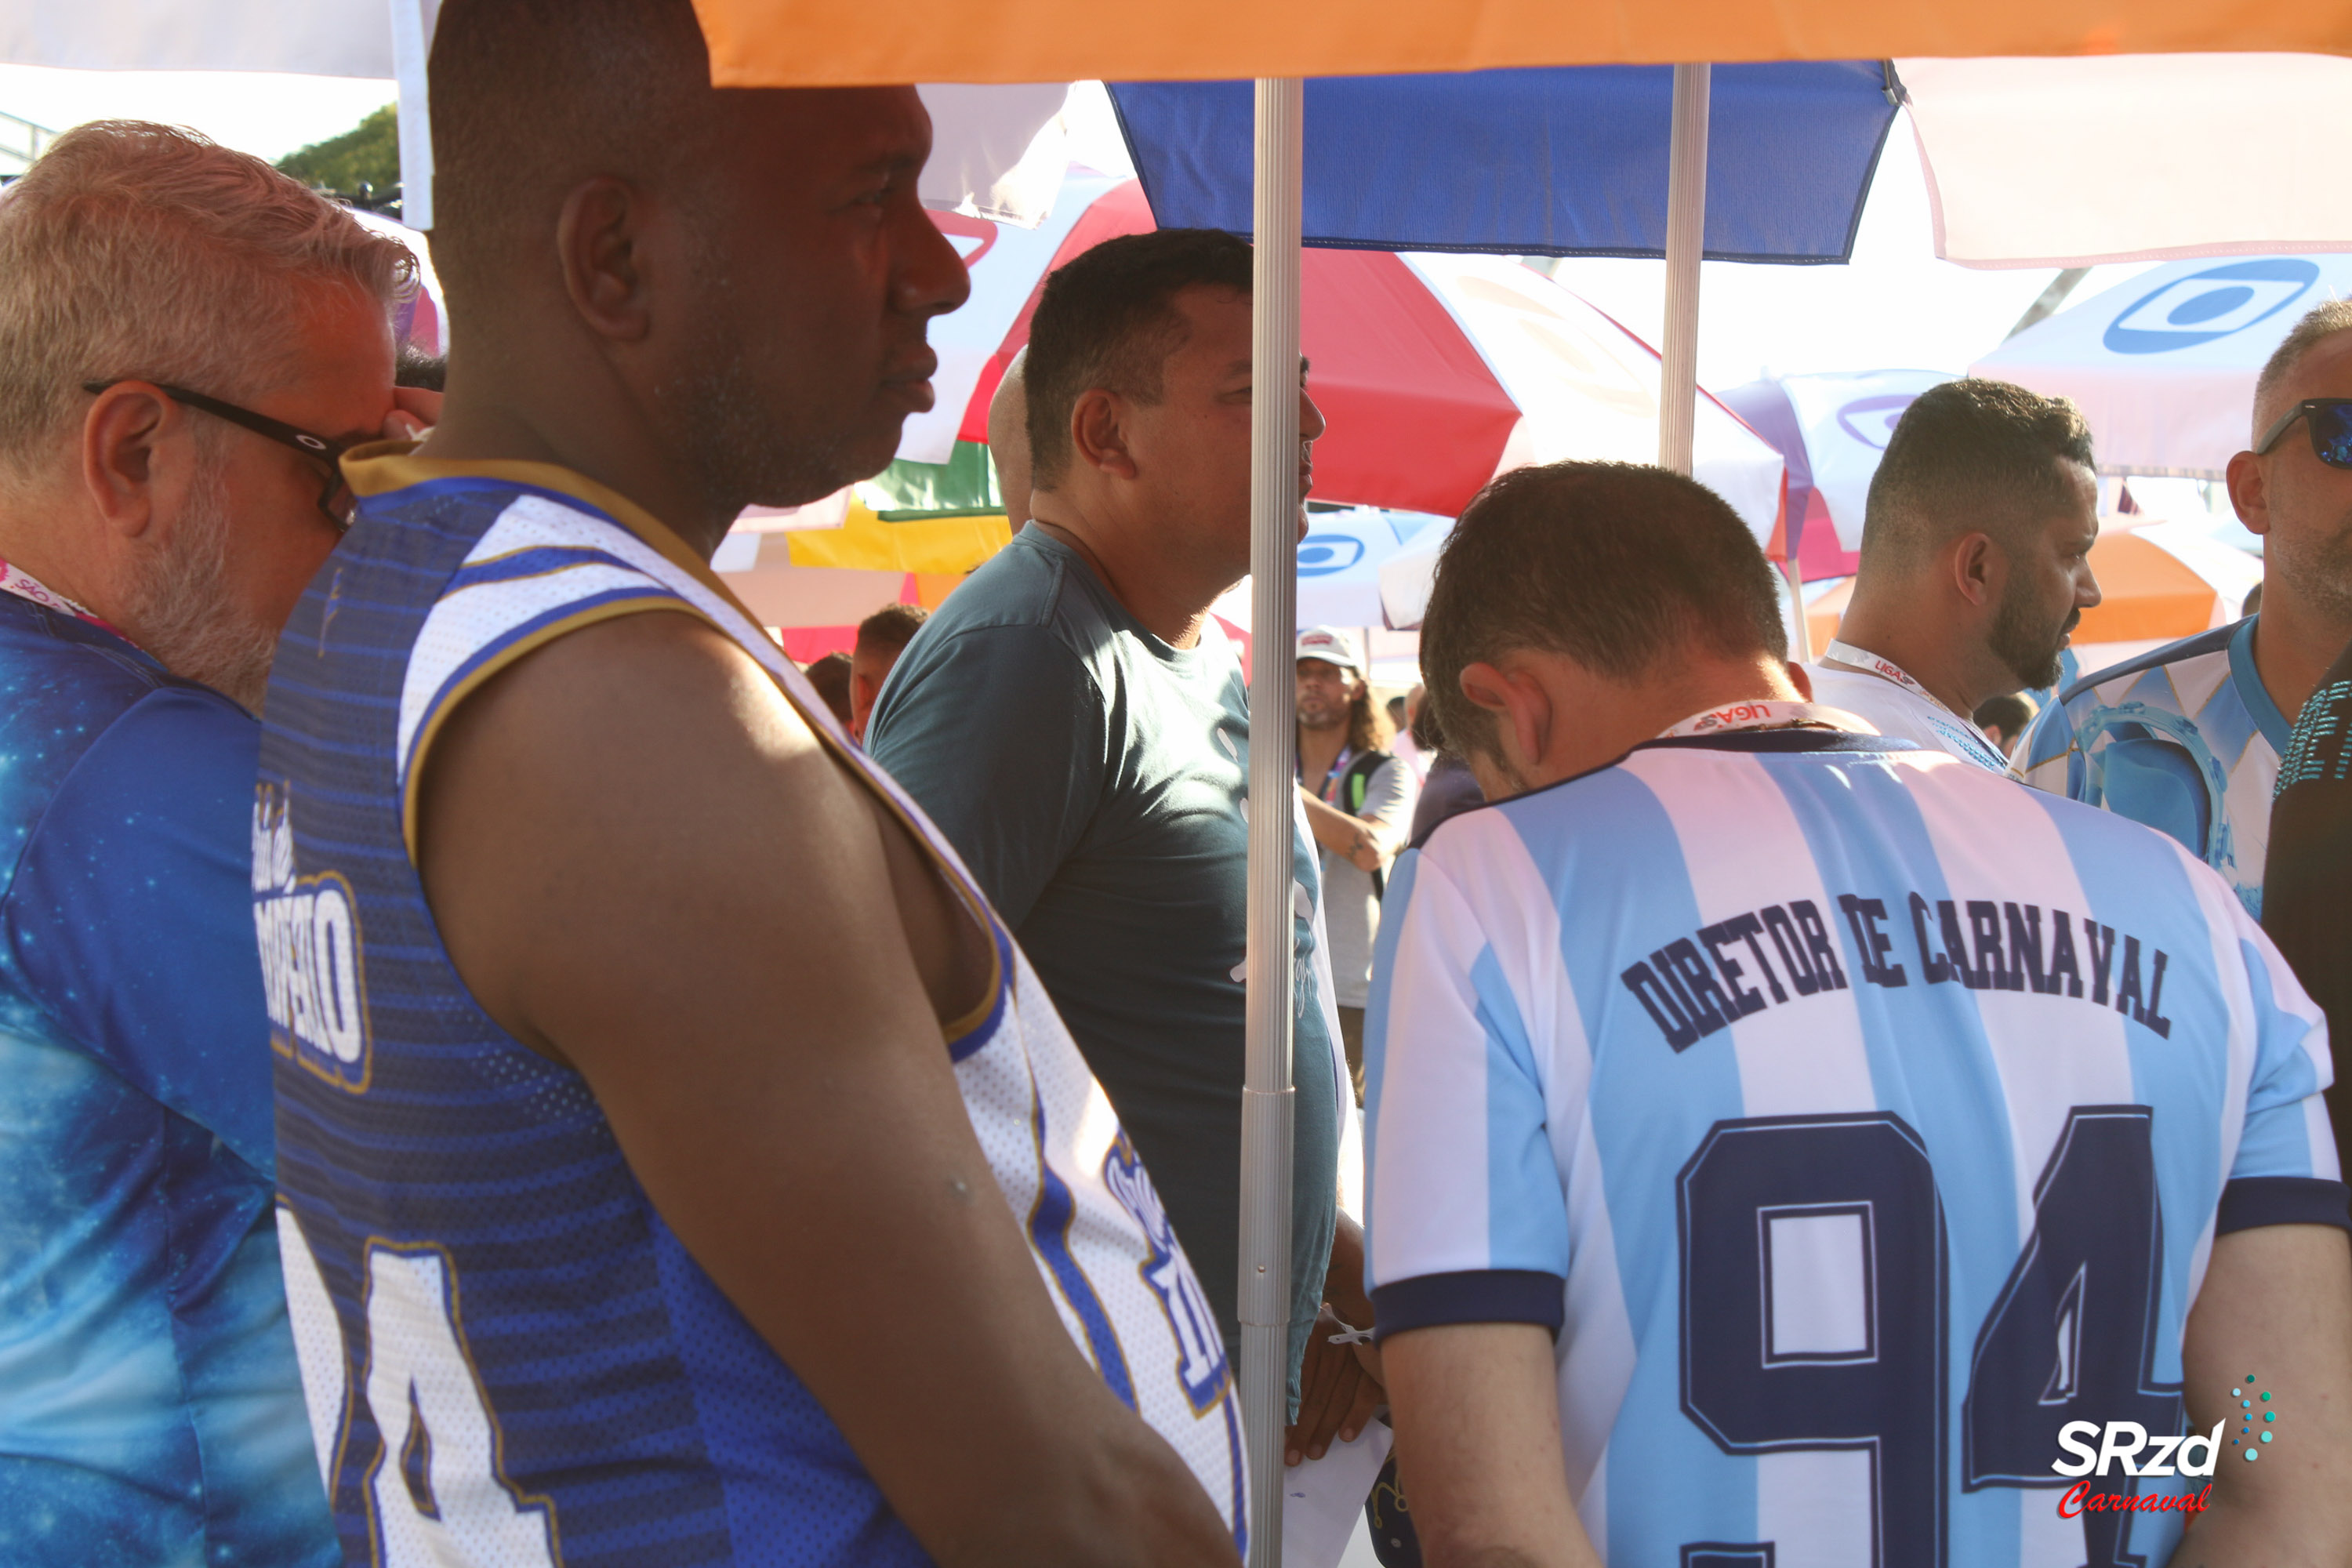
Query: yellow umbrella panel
x=815, y=585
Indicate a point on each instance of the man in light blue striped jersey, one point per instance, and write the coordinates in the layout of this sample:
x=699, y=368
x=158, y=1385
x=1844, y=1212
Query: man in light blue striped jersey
x=1790, y=1144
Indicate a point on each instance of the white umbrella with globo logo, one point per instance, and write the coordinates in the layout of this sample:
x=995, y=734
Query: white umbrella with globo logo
x=2163, y=365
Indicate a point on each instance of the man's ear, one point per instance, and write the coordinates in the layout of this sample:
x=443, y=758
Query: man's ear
x=1522, y=710
x=138, y=456
x=1976, y=563
x=1099, y=432
x=599, y=244
x=1798, y=676
x=2249, y=493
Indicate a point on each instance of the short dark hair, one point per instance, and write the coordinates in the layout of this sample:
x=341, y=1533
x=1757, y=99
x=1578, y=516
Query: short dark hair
x=530, y=96
x=415, y=367
x=1620, y=567
x=890, y=628
x=829, y=676
x=2011, y=714
x=1108, y=318
x=1970, y=456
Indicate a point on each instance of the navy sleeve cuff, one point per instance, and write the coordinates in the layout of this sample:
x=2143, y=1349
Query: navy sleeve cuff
x=2252, y=1201
x=1478, y=1296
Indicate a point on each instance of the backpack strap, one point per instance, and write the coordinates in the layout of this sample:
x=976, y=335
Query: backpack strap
x=1354, y=785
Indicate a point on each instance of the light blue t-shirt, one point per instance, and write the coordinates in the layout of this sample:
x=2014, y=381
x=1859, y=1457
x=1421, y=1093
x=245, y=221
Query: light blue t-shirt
x=1857, y=1119
x=151, y=1409
x=1095, y=779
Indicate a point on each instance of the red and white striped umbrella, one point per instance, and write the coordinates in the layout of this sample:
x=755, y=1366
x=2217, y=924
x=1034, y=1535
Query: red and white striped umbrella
x=1436, y=372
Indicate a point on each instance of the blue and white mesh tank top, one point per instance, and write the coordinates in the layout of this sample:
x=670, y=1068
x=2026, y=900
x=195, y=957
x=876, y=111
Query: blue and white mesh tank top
x=509, y=1358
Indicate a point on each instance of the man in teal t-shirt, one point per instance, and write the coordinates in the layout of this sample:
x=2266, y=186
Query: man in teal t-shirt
x=1075, y=722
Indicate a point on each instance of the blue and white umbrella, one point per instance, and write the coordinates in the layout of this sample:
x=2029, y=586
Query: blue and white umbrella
x=2163, y=365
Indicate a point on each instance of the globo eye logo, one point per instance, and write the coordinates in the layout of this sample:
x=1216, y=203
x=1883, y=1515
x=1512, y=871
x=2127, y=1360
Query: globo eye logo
x=1321, y=555
x=2211, y=304
x=1871, y=420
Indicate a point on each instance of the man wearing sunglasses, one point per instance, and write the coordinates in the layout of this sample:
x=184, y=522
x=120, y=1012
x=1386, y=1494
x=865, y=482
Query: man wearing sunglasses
x=187, y=341
x=2188, y=738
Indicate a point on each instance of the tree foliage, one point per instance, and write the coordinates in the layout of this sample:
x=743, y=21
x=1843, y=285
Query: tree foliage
x=362, y=165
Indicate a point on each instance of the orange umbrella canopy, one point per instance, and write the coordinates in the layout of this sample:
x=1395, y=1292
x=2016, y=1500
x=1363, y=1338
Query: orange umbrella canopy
x=2147, y=595
x=787, y=43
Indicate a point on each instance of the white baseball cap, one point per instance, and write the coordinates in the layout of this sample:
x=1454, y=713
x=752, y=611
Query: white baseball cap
x=1332, y=646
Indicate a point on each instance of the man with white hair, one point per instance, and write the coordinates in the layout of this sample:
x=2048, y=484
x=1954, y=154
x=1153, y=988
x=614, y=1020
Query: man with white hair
x=188, y=342
x=2188, y=738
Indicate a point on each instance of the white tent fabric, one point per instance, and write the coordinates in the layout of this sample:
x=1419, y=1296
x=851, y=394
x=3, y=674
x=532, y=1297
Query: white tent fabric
x=313, y=38
x=2163, y=365
x=2068, y=162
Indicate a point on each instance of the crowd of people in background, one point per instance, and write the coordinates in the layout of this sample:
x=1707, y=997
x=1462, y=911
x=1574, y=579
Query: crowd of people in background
x=717, y=1111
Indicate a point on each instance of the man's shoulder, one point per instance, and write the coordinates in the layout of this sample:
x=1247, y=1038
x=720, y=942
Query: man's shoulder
x=79, y=695
x=1030, y=585
x=1026, y=606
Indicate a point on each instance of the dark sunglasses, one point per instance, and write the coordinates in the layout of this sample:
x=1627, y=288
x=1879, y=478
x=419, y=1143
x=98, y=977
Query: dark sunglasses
x=2330, y=423
x=337, y=504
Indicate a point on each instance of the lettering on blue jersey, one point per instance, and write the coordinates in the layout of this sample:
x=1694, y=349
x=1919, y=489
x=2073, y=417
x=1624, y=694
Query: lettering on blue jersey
x=1955, y=946
x=1934, y=968
x=1977, y=944
x=2102, y=940
x=1200, y=1366
x=2025, y=949
x=1664, y=1009
x=1817, y=941
x=1993, y=972
x=1808, y=958
x=1679, y=961
x=313, y=970
x=2128, y=1000
x=2061, y=954
x=1740, y=928
x=1871, y=944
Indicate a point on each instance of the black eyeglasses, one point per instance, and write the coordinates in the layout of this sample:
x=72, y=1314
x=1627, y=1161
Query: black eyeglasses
x=2329, y=420
x=336, y=502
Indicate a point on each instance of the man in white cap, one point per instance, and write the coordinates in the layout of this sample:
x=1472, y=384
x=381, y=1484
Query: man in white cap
x=1358, y=797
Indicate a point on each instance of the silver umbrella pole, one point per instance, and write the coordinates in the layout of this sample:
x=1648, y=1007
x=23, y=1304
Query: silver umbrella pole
x=1266, y=1102
x=1685, y=240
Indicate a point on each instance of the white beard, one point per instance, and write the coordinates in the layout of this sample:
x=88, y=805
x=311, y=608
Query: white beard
x=180, y=611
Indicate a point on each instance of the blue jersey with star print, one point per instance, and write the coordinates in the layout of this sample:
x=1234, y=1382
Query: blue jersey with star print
x=151, y=1409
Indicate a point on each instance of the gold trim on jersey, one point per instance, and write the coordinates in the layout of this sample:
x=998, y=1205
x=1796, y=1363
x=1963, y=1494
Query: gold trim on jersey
x=508, y=656
x=383, y=467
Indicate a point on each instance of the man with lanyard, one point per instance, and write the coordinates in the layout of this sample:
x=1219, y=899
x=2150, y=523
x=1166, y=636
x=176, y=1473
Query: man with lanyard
x=1750, y=1094
x=1359, y=799
x=1975, y=565
x=186, y=338
x=2188, y=738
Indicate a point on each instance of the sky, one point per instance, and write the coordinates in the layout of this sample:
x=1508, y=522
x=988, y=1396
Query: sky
x=267, y=115
x=1895, y=306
